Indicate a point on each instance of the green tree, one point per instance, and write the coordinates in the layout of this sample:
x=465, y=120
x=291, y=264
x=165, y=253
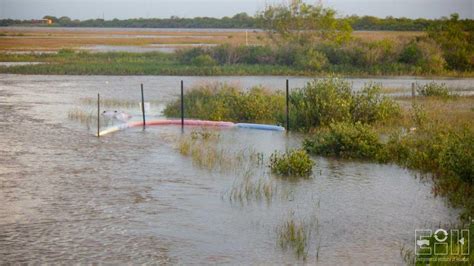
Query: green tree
x=304, y=24
x=457, y=44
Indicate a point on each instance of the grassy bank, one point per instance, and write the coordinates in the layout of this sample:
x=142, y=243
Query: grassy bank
x=68, y=62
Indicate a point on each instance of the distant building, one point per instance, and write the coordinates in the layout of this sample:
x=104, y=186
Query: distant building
x=42, y=21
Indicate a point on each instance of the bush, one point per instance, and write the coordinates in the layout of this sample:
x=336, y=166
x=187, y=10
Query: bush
x=425, y=54
x=286, y=54
x=311, y=59
x=443, y=151
x=256, y=55
x=295, y=163
x=186, y=56
x=220, y=101
x=225, y=54
x=457, y=155
x=330, y=100
x=432, y=60
x=369, y=105
x=203, y=60
x=345, y=140
x=433, y=89
x=320, y=103
x=411, y=54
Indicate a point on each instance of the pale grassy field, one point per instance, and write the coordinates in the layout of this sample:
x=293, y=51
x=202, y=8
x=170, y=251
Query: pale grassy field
x=52, y=39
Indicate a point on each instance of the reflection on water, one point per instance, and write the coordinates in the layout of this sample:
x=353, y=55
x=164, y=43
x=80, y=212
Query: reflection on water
x=131, y=197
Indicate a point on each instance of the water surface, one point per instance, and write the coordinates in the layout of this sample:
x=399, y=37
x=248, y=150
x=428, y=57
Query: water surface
x=68, y=196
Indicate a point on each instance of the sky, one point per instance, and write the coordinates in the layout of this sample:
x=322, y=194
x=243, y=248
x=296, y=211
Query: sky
x=109, y=9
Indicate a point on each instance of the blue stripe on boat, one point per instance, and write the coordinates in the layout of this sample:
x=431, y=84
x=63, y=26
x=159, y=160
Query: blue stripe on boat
x=260, y=126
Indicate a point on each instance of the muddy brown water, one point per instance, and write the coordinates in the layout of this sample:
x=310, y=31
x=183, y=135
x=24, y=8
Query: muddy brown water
x=131, y=197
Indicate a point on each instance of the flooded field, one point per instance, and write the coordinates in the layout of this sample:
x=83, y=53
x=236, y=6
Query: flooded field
x=165, y=48
x=50, y=39
x=133, y=197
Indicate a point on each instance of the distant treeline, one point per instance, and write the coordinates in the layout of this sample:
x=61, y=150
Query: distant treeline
x=239, y=21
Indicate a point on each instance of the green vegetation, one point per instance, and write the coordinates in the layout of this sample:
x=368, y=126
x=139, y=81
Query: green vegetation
x=433, y=135
x=303, y=40
x=217, y=101
x=443, y=151
x=88, y=117
x=324, y=101
x=253, y=190
x=294, y=163
x=345, y=140
x=320, y=102
x=240, y=20
x=206, y=151
x=294, y=235
x=457, y=43
x=433, y=89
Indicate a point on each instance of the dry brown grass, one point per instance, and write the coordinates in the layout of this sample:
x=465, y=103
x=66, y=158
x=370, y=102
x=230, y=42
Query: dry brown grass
x=24, y=39
x=390, y=35
x=456, y=112
x=54, y=39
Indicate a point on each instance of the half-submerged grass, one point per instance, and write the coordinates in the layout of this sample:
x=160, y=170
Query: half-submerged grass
x=109, y=102
x=207, y=152
x=113, y=103
x=250, y=190
x=88, y=118
x=294, y=234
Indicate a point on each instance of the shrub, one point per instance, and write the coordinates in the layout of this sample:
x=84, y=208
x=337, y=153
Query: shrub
x=203, y=60
x=311, y=59
x=66, y=52
x=320, y=103
x=369, y=105
x=225, y=54
x=425, y=54
x=286, y=54
x=435, y=149
x=345, y=140
x=220, y=101
x=256, y=55
x=411, y=53
x=335, y=53
x=433, y=89
x=186, y=56
x=457, y=155
x=432, y=60
x=295, y=163
x=456, y=43
x=330, y=100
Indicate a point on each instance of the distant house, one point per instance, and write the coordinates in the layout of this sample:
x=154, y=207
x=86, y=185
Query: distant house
x=42, y=21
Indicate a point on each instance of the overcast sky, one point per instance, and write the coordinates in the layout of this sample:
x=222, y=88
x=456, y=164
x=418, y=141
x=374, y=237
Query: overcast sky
x=85, y=9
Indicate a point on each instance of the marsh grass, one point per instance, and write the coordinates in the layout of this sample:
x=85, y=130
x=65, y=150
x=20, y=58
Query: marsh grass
x=434, y=89
x=114, y=103
x=88, y=117
x=109, y=102
x=294, y=234
x=208, y=152
x=248, y=190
